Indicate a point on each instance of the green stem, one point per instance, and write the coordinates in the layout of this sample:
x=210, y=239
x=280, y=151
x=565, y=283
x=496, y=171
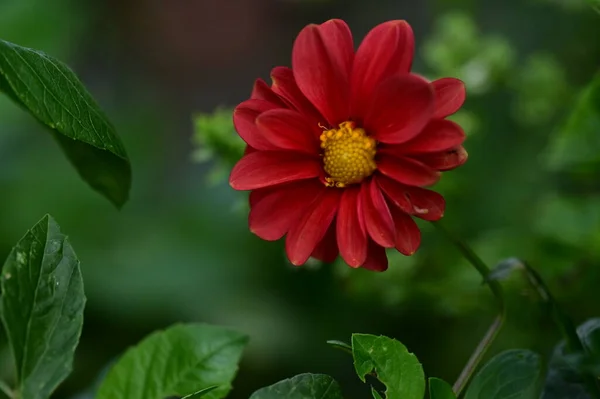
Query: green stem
x=496, y=288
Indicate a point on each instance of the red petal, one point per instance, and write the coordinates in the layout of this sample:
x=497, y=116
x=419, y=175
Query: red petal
x=321, y=59
x=351, y=237
x=438, y=135
x=377, y=260
x=274, y=211
x=387, y=50
x=268, y=168
x=302, y=238
x=285, y=85
x=408, y=171
x=377, y=216
x=400, y=108
x=288, y=130
x=425, y=204
x=262, y=91
x=244, y=117
x=450, y=95
x=327, y=250
x=446, y=160
x=408, y=235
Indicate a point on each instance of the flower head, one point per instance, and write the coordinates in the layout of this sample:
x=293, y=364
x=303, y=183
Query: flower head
x=341, y=145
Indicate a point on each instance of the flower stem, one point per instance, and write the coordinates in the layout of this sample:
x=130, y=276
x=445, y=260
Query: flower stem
x=493, y=330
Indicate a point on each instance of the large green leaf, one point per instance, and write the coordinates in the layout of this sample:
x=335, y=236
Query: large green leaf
x=303, y=386
x=440, y=389
x=178, y=361
x=53, y=94
x=513, y=374
x=392, y=363
x=42, y=308
x=576, y=145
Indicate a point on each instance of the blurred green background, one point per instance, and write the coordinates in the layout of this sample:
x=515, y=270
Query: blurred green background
x=180, y=250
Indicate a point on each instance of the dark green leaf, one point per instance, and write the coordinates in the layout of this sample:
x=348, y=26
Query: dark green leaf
x=440, y=389
x=576, y=145
x=200, y=393
x=177, y=361
x=567, y=371
x=303, y=386
x=53, y=94
x=589, y=332
x=392, y=363
x=513, y=374
x=42, y=308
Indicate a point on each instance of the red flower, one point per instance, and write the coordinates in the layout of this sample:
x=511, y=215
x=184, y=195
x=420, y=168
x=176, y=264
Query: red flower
x=340, y=146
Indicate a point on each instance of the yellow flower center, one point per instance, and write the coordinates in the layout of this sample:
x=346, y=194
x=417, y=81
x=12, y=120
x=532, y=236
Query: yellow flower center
x=348, y=155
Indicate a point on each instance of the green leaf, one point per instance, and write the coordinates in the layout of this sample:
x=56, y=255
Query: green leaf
x=576, y=145
x=440, y=389
x=42, y=308
x=375, y=394
x=340, y=345
x=53, y=94
x=303, y=386
x=569, y=373
x=513, y=374
x=177, y=361
x=392, y=363
x=200, y=393
x=589, y=332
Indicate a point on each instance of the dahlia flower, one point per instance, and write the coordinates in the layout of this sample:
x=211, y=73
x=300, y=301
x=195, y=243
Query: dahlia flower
x=341, y=146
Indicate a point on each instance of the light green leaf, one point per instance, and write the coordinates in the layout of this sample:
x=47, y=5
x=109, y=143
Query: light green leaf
x=440, y=389
x=576, y=145
x=513, y=374
x=42, y=308
x=392, y=363
x=177, y=361
x=303, y=386
x=53, y=94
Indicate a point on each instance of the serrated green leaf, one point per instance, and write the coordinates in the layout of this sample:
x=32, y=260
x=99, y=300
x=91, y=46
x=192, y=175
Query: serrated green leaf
x=200, y=393
x=53, y=94
x=177, y=361
x=303, y=386
x=392, y=363
x=440, y=389
x=576, y=145
x=513, y=374
x=42, y=308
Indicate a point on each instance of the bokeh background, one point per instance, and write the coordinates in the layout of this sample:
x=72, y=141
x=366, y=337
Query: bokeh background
x=180, y=250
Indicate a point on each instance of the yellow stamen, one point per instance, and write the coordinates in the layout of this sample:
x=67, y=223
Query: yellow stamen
x=348, y=155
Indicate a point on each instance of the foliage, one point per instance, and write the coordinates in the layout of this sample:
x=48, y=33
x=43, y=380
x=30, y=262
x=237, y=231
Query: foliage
x=42, y=284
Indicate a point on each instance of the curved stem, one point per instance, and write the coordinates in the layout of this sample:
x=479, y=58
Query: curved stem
x=493, y=330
